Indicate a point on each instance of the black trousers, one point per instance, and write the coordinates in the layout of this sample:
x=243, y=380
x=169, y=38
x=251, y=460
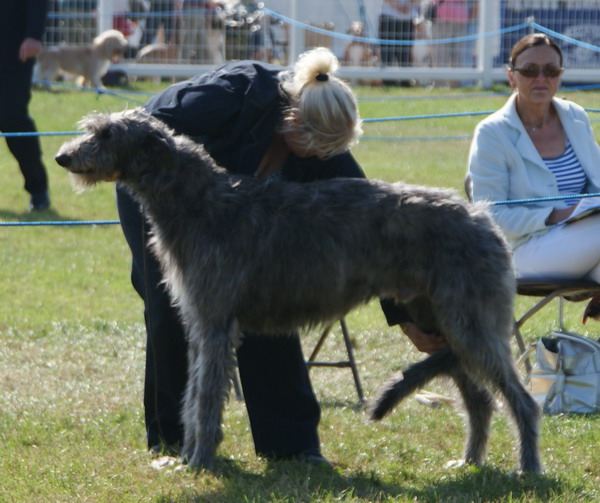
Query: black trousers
x=398, y=30
x=283, y=410
x=15, y=94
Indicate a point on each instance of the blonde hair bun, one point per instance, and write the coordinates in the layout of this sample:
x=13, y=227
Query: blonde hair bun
x=323, y=108
x=311, y=64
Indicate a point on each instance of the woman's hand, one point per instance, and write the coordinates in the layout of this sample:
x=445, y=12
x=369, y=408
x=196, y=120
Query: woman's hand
x=30, y=48
x=423, y=341
x=558, y=215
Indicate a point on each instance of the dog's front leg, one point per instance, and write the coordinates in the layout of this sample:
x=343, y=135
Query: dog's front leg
x=211, y=365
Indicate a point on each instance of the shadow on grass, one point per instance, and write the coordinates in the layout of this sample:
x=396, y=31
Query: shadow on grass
x=292, y=481
x=26, y=216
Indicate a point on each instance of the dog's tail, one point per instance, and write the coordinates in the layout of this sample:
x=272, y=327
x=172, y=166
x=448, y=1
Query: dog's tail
x=413, y=379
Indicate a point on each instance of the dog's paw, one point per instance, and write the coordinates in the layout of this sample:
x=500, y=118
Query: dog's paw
x=166, y=462
x=455, y=464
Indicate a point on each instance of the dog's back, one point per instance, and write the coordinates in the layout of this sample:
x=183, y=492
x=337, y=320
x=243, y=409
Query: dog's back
x=307, y=223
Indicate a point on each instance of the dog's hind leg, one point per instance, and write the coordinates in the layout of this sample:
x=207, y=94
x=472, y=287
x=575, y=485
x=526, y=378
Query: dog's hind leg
x=212, y=364
x=526, y=414
x=479, y=405
x=411, y=380
x=492, y=363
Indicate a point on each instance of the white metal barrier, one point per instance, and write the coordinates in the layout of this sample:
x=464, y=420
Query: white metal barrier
x=181, y=38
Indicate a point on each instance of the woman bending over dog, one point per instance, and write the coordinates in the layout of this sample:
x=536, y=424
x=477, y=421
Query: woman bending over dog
x=265, y=121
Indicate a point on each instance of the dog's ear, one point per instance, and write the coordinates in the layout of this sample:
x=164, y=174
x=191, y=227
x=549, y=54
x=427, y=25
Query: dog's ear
x=160, y=149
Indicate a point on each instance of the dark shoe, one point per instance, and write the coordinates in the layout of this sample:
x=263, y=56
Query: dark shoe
x=39, y=201
x=313, y=458
x=164, y=450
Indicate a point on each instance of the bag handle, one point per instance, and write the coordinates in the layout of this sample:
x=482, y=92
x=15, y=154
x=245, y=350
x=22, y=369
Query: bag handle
x=523, y=358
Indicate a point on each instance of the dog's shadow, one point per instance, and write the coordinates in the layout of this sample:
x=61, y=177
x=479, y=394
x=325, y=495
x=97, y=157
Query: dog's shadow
x=296, y=481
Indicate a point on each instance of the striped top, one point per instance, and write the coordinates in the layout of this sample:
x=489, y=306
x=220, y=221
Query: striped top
x=570, y=176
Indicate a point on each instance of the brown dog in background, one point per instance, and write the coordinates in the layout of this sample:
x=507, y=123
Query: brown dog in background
x=88, y=63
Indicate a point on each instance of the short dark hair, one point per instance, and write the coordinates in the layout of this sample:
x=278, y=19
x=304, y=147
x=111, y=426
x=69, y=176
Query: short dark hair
x=533, y=40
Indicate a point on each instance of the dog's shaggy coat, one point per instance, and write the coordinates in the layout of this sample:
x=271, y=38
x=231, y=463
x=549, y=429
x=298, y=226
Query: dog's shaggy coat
x=238, y=254
x=87, y=63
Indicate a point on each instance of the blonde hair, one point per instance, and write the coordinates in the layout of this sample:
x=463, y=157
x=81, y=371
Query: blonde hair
x=323, y=109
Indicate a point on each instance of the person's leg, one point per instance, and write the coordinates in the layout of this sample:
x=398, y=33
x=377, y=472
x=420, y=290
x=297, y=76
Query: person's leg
x=387, y=31
x=570, y=251
x=166, y=345
x=284, y=412
x=407, y=34
x=384, y=34
x=15, y=93
x=190, y=27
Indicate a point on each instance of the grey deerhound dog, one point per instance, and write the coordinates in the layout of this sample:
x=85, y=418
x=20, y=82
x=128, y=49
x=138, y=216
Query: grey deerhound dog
x=241, y=255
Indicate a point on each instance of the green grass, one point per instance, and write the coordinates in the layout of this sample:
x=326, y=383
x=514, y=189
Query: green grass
x=72, y=355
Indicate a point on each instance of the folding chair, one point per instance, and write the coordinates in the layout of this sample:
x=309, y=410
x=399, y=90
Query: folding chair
x=311, y=362
x=548, y=290
x=349, y=363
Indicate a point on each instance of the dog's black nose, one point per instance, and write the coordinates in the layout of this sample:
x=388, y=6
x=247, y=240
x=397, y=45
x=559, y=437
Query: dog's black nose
x=63, y=160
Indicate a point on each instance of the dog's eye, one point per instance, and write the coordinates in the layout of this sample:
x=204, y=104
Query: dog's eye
x=105, y=134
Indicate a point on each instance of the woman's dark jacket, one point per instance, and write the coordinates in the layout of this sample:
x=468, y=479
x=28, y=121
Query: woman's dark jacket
x=234, y=112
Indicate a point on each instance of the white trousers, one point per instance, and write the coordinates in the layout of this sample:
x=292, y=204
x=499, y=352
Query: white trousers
x=568, y=251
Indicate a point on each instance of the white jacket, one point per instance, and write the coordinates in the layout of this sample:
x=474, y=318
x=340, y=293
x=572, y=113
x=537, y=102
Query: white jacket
x=505, y=165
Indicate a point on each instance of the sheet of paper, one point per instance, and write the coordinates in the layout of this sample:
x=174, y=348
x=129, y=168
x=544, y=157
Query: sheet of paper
x=587, y=206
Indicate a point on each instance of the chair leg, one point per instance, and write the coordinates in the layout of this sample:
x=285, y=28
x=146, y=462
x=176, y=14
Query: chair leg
x=350, y=351
x=350, y=362
x=237, y=387
x=561, y=314
x=521, y=345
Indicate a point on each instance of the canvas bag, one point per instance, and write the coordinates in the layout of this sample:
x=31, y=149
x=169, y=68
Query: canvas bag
x=566, y=374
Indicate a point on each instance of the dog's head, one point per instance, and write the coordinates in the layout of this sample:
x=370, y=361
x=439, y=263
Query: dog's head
x=119, y=146
x=357, y=29
x=111, y=44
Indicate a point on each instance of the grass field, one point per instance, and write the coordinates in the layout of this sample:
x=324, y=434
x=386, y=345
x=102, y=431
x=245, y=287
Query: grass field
x=72, y=351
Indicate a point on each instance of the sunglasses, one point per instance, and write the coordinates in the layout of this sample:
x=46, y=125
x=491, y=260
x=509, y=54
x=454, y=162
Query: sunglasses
x=533, y=71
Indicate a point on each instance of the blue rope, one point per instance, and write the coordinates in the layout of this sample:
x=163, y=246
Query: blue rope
x=416, y=138
x=378, y=41
x=59, y=223
x=426, y=116
x=544, y=199
x=565, y=38
x=37, y=133
x=67, y=223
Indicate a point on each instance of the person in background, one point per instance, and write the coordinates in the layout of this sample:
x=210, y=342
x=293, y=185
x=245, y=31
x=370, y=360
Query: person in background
x=161, y=14
x=396, y=23
x=539, y=146
x=450, y=23
x=22, y=26
x=196, y=14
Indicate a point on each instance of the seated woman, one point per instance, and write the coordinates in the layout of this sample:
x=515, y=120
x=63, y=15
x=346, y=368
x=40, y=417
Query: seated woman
x=539, y=146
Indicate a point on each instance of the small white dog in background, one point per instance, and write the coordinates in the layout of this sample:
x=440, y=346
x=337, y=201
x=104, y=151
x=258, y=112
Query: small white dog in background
x=360, y=53
x=357, y=52
x=88, y=63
